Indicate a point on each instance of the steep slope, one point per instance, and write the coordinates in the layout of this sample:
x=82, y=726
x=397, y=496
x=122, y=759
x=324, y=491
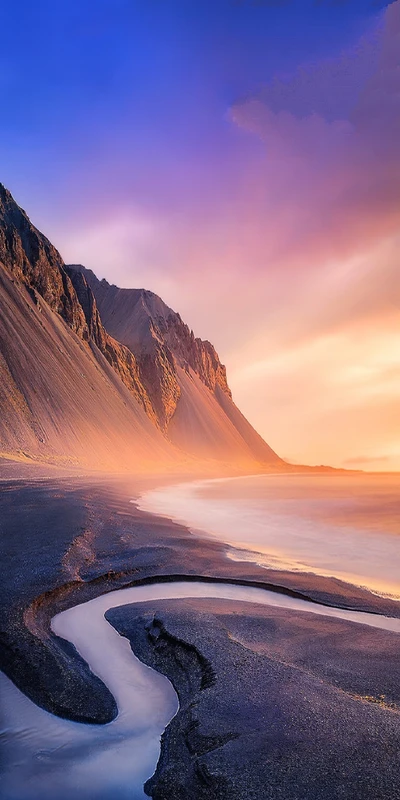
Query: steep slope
x=105, y=376
x=60, y=400
x=68, y=391
x=182, y=375
x=31, y=258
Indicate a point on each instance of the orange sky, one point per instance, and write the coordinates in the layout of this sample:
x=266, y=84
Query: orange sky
x=282, y=249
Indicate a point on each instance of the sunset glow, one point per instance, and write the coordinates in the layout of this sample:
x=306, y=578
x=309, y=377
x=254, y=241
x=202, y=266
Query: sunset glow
x=200, y=399
x=259, y=195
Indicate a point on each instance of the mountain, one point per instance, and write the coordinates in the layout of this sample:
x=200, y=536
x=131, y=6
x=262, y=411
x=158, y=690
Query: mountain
x=31, y=258
x=68, y=392
x=182, y=375
x=107, y=377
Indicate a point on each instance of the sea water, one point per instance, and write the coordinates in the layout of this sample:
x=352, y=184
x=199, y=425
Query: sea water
x=346, y=526
x=46, y=758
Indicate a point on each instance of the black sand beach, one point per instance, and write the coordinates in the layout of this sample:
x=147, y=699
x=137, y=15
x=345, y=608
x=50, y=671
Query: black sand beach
x=274, y=703
x=271, y=704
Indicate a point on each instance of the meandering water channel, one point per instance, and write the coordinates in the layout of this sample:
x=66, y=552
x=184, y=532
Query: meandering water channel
x=47, y=757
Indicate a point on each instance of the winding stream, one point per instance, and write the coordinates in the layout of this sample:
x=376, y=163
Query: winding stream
x=49, y=758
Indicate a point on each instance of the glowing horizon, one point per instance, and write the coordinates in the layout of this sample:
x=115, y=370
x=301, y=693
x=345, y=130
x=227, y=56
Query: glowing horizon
x=255, y=189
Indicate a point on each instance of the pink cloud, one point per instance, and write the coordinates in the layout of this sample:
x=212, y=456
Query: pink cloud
x=288, y=254
x=317, y=183
x=336, y=183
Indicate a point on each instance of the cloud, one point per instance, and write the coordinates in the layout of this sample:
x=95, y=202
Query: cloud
x=335, y=182
x=340, y=177
x=323, y=204
x=285, y=251
x=366, y=460
x=295, y=229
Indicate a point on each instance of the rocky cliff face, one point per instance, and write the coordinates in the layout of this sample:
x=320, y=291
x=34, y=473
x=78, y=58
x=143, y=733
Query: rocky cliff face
x=120, y=357
x=60, y=400
x=160, y=340
x=32, y=259
x=176, y=379
x=183, y=375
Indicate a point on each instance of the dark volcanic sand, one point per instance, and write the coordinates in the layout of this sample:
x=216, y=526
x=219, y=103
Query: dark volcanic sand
x=65, y=540
x=272, y=705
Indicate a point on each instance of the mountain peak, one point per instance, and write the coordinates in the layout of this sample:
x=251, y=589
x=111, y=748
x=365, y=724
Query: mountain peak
x=182, y=374
x=74, y=347
x=160, y=340
x=34, y=261
x=4, y=192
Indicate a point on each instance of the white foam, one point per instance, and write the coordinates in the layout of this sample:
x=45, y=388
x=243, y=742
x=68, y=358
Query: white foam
x=342, y=526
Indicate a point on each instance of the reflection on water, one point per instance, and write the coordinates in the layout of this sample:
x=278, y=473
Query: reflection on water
x=343, y=526
x=347, y=526
x=54, y=759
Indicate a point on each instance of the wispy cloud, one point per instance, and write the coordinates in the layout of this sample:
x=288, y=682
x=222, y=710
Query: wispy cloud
x=332, y=151
x=285, y=253
x=366, y=460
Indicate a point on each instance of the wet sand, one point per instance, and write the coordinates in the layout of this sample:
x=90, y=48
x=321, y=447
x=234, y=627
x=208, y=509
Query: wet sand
x=41, y=750
x=342, y=525
x=68, y=539
x=272, y=704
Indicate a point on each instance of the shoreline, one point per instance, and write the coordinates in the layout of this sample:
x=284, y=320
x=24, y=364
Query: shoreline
x=240, y=670
x=211, y=509
x=67, y=540
x=77, y=539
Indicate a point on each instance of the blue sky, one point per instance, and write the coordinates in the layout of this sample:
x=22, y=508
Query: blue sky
x=242, y=160
x=88, y=85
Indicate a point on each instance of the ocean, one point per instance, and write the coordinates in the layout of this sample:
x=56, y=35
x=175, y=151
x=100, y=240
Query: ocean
x=346, y=526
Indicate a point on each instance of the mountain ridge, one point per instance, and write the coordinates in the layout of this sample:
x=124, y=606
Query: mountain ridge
x=31, y=257
x=66, y=335
x=165, y=348
x=150, y=327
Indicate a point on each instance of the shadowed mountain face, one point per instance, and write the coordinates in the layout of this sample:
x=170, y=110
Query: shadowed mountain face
x=182, y=375
x=60, y=399
x=158, y=338
x=109, y=377
x=31, y=258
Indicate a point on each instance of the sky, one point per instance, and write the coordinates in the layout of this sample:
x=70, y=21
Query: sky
x=241, y=158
